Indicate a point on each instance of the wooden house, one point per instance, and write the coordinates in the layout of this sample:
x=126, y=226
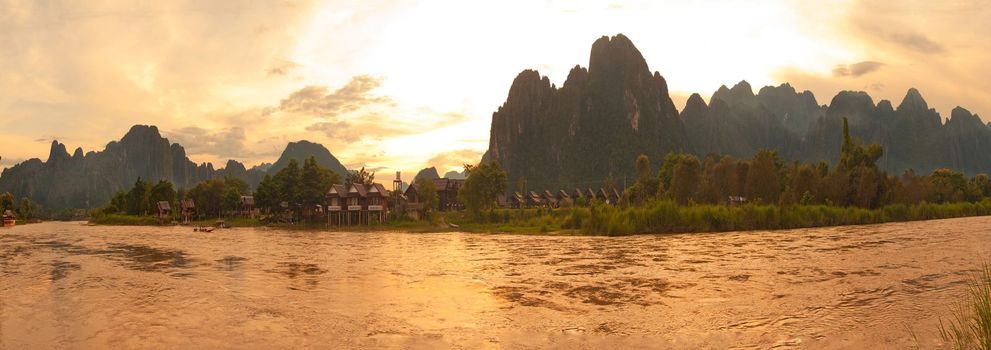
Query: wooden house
x=534, y=200
x=516, y=201
x=549, y=199
x=164, y=212
x=502, y=201
x=246, y=206
x=187, y=209
x=614, y=197
x=591, y=194
x=413, y=203
x=563, y=198
x=447, y=194
x=377, y=206
x=737, y=201
x=357, y=202
x=336, y=198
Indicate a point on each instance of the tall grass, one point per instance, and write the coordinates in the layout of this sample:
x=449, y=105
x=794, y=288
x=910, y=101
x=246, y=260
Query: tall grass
x=970, y=327
x=666, y=216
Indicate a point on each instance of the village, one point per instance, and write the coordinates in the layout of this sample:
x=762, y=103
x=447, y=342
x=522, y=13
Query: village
x=360, y=204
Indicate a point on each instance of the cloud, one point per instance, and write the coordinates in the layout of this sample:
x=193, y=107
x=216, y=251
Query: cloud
x=282, y=67
x=315, y=100
x=904, y=37
x=454, y=159
x=339, y=130
x=229, y=143
x=856, y=69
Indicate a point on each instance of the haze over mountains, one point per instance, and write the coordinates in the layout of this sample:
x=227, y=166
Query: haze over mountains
x=578, y=134
x=602, y=117
x=89, y=180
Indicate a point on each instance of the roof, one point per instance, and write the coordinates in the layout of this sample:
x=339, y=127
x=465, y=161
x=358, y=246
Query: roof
x=517, y=196
x=579, y=193
x=562, y=194
x=359, y=189
x=591, y=193
x=549, y=197
x=187, y=203
x=164, y=205
x=336, y=190
x=247, y=200
x=448, y=184
x=535, y=197
x=378, y=188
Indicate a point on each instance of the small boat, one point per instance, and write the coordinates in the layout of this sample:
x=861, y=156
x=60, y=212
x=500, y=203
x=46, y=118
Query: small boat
x=203, y=229
x=8, y=219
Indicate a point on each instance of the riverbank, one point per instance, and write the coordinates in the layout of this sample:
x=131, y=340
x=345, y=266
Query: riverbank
x=654, y=217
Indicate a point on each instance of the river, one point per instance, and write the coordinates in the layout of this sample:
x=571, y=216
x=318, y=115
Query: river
x=68, y=285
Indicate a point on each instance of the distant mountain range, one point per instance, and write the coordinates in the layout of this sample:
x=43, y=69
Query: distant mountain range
x=601, y=118
x=89, y=180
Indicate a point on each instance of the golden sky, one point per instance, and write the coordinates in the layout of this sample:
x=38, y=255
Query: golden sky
x=401, y=85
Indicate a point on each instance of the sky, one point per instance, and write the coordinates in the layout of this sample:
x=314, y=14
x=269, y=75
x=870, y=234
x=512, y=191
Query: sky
x=402, y=85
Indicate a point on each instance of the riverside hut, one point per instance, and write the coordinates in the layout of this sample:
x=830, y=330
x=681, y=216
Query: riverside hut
x=246, y=207
x=549, y=198
x=164, y=212
x=187, y=209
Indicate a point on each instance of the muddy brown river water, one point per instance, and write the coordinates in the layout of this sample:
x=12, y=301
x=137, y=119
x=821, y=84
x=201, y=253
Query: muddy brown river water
x=68, y=285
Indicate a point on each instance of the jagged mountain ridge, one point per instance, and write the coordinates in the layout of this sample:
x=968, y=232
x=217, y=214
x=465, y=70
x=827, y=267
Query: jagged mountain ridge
x=604, y=116
x=89, y=180
x=554, y=135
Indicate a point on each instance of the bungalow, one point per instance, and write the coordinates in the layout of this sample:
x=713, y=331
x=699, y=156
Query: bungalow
x=378, y=203
x=563, y=198
x=336, y=197
x=187, y=209
x=550, y=199
x=502, y=201
x=517, y=201
x=534, y=200
x=246, y=206
x=447, y=193
x=591, y=195
x=413, y=203
x=357, y=201
x=164, y=212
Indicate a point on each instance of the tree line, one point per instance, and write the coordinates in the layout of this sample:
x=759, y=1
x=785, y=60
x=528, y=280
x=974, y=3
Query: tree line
x=297, y=187
x=855, y=181
x=25, y=208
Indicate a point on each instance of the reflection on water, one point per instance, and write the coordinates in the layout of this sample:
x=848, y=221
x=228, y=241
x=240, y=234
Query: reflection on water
x=881, y=286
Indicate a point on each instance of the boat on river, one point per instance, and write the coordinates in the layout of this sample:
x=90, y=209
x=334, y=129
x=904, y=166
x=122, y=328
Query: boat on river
x=8, y=218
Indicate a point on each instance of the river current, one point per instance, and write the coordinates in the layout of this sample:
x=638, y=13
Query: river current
x=69, y=285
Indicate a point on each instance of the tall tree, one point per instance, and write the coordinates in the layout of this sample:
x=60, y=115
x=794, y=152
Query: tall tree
x=685, y=179
x=427, y=191
x=763, y=180
x=315, y=181
x=360, y=176
x=268, y=195
x=162, y=191
x=137, y=198
x=484, y=183
x=288, y=179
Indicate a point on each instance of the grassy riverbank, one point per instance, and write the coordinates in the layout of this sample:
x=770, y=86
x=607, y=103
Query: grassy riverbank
x=654, y=217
